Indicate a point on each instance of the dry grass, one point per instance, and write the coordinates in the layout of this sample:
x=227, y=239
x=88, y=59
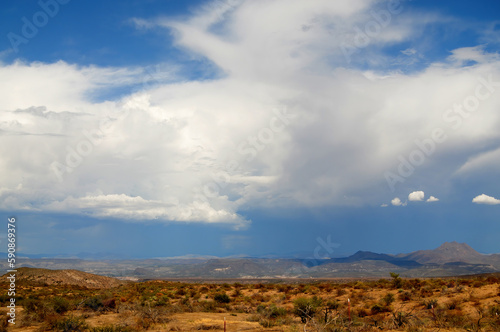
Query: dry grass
x=471, y=304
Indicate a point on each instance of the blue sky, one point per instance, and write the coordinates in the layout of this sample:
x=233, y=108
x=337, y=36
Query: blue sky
x=249, y=127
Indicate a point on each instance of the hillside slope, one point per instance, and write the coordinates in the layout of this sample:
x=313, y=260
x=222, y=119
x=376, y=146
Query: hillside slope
x=35, y=276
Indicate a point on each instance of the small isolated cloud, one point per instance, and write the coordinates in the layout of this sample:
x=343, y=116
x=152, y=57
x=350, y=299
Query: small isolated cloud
x=384, y=205
x=416, y=196
x=432, y=199
x=397, y=202
x=485, y=199
x=409, y=51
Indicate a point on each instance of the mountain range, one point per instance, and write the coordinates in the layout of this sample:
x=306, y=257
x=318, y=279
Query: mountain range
x=450, y=259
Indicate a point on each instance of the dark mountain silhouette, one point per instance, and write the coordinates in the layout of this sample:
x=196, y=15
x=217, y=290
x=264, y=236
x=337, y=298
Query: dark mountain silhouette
x=371, y=256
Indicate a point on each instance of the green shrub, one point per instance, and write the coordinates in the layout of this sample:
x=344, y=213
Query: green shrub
x=4, y=323
x=429, y=304
x=266, y=323
x=271, y=316
x=4, y=299
x=69, y=324
x=208, y=306
x=454, y=304
x=180, y=292
x=405, y=296
x=60, y=305
x=236, y=292
x=494, y=311
x=400, y=319
x=397, y=282
x=377, y=308
x=148, y=316
x=360, y=285
x=94, y=303
x=306, y=308
x=37, y=310
x=221, y=298
x=341, y=291
x=388, y=299
x=31, y=306
x=253, y=318
x=271, y=312
x=163, y=301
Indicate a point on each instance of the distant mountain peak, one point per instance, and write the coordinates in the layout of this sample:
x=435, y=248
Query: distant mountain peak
x=458, y=248
x=448, y=252
x=454, y=245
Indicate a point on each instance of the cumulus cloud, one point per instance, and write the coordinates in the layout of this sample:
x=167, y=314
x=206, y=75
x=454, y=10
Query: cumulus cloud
x=416, y=196
x=62, y=86
x=485, y=199
x=137, y=208
x=288, y=122
x=432, y=199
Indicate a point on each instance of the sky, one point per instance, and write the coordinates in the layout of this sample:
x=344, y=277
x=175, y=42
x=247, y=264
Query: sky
x=160, y=128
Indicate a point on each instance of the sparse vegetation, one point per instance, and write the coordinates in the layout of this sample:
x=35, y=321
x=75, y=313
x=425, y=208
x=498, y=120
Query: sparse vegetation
x=461, y=304
x=112, y=328
x=68, y=324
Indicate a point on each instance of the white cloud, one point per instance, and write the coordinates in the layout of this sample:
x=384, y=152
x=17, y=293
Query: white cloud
x=62, y=86
x=432, y=199
x=464, y=54
x=409, y=51
x=416, y=196
x=384, y=205
x=480, y=162
x=137, y=208
x=206, y=150
x=397, y=202
x=485, y=199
